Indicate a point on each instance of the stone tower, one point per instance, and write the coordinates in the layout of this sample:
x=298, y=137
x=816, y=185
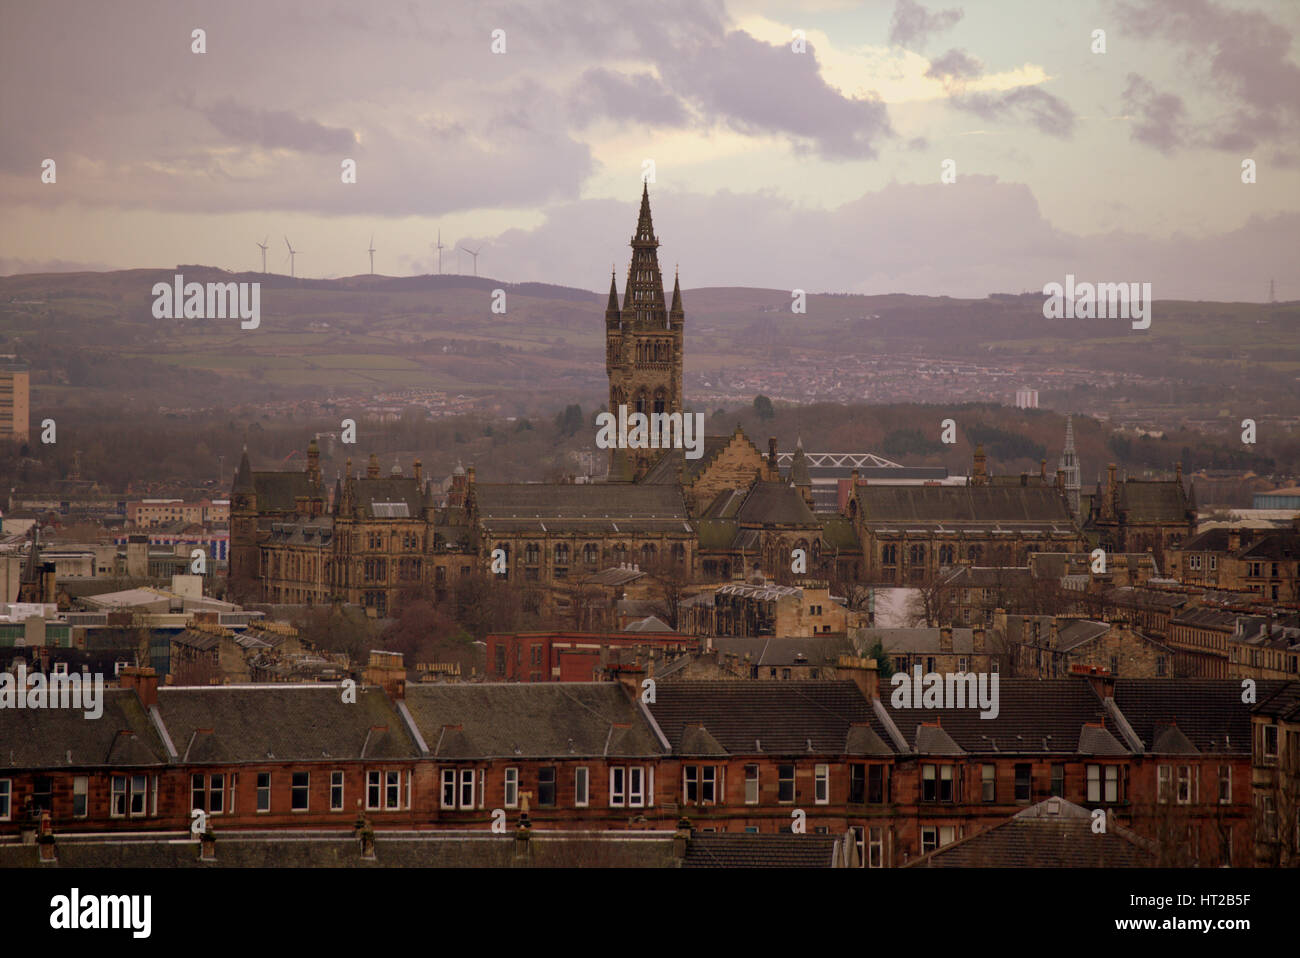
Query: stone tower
x=1070, y=466
x=643, y=344
x=243, y=566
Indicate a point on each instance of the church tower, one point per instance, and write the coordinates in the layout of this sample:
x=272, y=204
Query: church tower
x=1070, y=466
x=643, y=344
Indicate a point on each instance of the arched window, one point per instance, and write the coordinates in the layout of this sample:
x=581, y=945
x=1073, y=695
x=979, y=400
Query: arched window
x=620, y=553
x=532, y=553
x=640, y=401
x=591, y=553
x=647, y=556
x=679, y=553
x=562, y=554
x=661, y=400
x=973, y=553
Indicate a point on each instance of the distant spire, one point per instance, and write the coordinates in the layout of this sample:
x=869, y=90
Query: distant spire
x=244, y=475
x=677, y=294
x=612, y=306
x=644, y=295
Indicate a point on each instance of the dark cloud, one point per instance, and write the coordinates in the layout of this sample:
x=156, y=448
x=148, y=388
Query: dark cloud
x=1047, y=113
x=759, y=88
x=954, y=65
x=276, y=129
x=638, y=98
x=1158, y=117
x=912, y=24
x=1243, y=54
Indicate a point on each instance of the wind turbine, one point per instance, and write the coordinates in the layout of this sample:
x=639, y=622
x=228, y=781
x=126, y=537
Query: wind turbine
x=263, y=248
x=474, y=253
x=440, y=249
x=372, y=254
x=292, y=251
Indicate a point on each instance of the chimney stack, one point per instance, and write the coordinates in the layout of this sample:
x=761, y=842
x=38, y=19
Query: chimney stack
x=143, y=680
x=863, y=672
x=945, y=640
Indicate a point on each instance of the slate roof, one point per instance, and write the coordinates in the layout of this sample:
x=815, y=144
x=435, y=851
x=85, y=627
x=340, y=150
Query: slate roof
x=545, y=719
x=1153, y=500
x=919, y=640
x=592, y=508
x=721, y=850
x=771, y=718
x=303, y=848
x=664, y=471
x=775, y=503
x=316, y=532
x=1283, y=703
x=1275, y=546
x=1205, y=710
x=986, y=507
x=1052, y=834
x=772, y=651
x=1034, y=716
x=52, y=738
x=282, y=722
x=392, y=497
x=277, y=491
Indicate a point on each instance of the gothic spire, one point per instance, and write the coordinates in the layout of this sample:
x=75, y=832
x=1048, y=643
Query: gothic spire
x=643, y=299
x=677, y=294
x=612, y=307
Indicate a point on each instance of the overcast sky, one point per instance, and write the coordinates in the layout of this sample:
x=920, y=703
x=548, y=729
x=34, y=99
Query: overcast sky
x=818, y=170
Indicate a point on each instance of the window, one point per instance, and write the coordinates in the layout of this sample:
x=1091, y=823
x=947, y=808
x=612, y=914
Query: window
x=1103, y=783
x=1058, y=780
x=822, y=784
x=216, y=793
x=336, y=791
x=1186, y=785
x=448, y=788
x=581, y=787
x=988, y=783
x=857, y=784
x=263, y=791
x=393, y=790
x=80, y=786
x=374, y=789
x=128, y=795
x=6, y=799
x=1270, y=743
x=1022, y=782
x=929, y=839
x=617, y=787
x=700, y=784
x=1164, y=784
x=876, y=850
x=946, y=835
x=546, y=786
x=298, y=791
x=1194, y=563
x=636, y=786
x=785, y=784
x=751, y=784
x=936, y=783
x=1225, y=784
x=467, y=788
x=1162, y=668
x=512, y=788
x=206, y=796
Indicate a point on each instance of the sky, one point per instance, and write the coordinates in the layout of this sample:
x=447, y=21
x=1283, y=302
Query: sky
x=811, y=160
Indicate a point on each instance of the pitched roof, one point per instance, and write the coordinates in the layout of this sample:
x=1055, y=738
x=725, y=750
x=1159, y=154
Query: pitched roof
x=123, y=735
x=775, y=503
x=1153, y=500
x=277, y=491
x=285, y=722
x=1052, y=834
x=392, y=497
x=1007, y=507
x=545, y=719
x=720, y=850
x=1208, y=712
x=1034, y=716
x=748, y=718
x=592, y=508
